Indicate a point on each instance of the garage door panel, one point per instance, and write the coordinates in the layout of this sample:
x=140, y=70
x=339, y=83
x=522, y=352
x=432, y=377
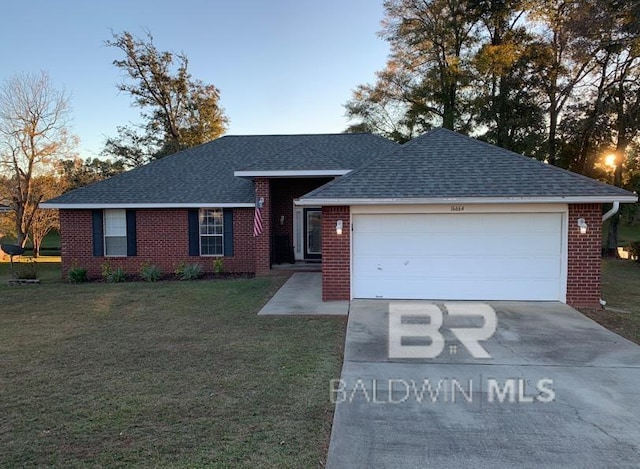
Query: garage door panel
x=464, y=256
x=458, y=267
x=468, y=244
x=462, y=289
x=489, y=223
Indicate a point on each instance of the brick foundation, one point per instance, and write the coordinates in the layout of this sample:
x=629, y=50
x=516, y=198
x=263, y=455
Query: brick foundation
x=584, y=256
x=163, y=240
x=336, y=254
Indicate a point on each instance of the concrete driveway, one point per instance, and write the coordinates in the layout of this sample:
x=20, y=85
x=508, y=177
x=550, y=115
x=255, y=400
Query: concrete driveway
x=558, y=391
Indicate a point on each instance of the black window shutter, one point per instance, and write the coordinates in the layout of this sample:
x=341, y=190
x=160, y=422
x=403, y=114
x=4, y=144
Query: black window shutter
x=194, y=232
x=228, y=231
x=132, y=242
x=98, y=233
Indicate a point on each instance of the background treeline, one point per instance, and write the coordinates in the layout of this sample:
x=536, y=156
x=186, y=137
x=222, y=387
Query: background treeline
x=558, y=80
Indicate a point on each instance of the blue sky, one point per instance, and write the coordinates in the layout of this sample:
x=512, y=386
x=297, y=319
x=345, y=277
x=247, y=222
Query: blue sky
x=283, y=66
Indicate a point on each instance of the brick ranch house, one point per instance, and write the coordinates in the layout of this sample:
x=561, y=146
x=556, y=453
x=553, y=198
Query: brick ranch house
x=443, y=216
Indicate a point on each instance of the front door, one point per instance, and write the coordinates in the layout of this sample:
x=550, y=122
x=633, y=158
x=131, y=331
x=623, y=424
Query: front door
x=312, y=233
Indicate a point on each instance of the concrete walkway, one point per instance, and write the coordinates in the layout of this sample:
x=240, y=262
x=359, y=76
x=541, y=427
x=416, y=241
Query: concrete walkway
x=568, y=395
x=302, y=295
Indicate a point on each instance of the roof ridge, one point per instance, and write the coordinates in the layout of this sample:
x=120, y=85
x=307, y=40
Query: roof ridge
x=332, y=134
x=484, y=153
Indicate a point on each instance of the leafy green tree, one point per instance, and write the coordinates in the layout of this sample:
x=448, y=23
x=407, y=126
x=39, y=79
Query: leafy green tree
x=562, y=59
x=75, y=173
x=533, y=76
x=506, y=103
x=426, y=81
x=178, y=111
x=384, y=109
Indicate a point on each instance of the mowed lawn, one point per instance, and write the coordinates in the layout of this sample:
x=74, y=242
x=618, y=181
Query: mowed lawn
x=621, y=291
x=173, y=374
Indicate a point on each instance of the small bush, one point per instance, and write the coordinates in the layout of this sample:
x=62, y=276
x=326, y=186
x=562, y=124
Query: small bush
x=191, y=272
x=105, y=270
x=113, y=276
x=26, y=270
x=179, y=270
x=116, y=276
x=77, y=275
x=218, y=266
x=150, y=273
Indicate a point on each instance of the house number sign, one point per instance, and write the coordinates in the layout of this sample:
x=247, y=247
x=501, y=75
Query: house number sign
x=457, y=208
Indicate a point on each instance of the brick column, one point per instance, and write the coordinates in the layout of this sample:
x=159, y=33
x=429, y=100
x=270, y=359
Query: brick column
x=263, y=241
x=336, y=254
x=585, y=256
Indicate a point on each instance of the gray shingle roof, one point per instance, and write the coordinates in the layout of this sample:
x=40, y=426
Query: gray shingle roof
x=298, y=157
x=205, y=174
x=445, y=164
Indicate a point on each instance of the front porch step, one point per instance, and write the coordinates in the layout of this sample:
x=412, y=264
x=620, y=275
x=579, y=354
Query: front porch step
x=299, y=267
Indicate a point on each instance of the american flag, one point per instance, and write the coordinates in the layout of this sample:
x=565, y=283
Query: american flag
x=257, y=220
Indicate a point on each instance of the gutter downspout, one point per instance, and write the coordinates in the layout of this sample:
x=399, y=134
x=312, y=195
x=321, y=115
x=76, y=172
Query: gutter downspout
x=605, y=217
x=612, y=212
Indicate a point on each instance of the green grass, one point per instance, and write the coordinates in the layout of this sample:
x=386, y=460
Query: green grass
x=168, y=374
x=626, y=233
x=50, y=245
x=621, y=290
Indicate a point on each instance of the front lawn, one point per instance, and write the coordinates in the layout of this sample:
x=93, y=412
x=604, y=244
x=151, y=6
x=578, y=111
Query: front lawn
x=158, y=375
x=621, y=290
x=626, y=233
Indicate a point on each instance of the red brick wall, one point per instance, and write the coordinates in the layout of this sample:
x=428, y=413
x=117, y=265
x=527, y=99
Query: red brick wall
x=583, y=269
x=336, y=254
x=283, y=193
x=584, y=256
x=163, y=240
x=263, y=241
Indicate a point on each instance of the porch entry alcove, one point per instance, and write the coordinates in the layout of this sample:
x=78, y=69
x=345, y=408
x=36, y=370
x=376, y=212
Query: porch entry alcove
x=297, y=231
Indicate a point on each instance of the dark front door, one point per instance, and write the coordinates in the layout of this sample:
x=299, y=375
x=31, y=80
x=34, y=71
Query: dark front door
x=312, y=233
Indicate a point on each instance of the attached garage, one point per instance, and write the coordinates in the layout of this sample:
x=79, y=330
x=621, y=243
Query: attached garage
x=482, y=255
x=448, y=217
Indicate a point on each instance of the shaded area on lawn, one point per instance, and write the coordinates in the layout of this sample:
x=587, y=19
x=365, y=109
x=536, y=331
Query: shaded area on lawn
x=165, y=374
x=621, y=290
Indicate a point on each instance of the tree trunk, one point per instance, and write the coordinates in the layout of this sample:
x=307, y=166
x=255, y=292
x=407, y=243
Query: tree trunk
x=449, y=105
x=553, y=126
x=621, y=146
x=21, y=236
x=502, y=111
x=612, y=237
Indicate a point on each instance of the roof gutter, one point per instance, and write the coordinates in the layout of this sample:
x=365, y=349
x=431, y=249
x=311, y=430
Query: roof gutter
x=291, y=173
x=86, y=206
x=612, y=212
x=466, y=200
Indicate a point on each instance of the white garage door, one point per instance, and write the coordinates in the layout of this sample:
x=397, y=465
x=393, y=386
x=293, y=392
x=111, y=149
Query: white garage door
x=488, y=256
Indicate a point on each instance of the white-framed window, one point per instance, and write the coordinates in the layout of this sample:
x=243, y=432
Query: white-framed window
x=211, y=232
x=115, y=233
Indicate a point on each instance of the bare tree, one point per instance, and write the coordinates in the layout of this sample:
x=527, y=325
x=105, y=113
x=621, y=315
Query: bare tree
x=34, y=132
x=45, y=220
